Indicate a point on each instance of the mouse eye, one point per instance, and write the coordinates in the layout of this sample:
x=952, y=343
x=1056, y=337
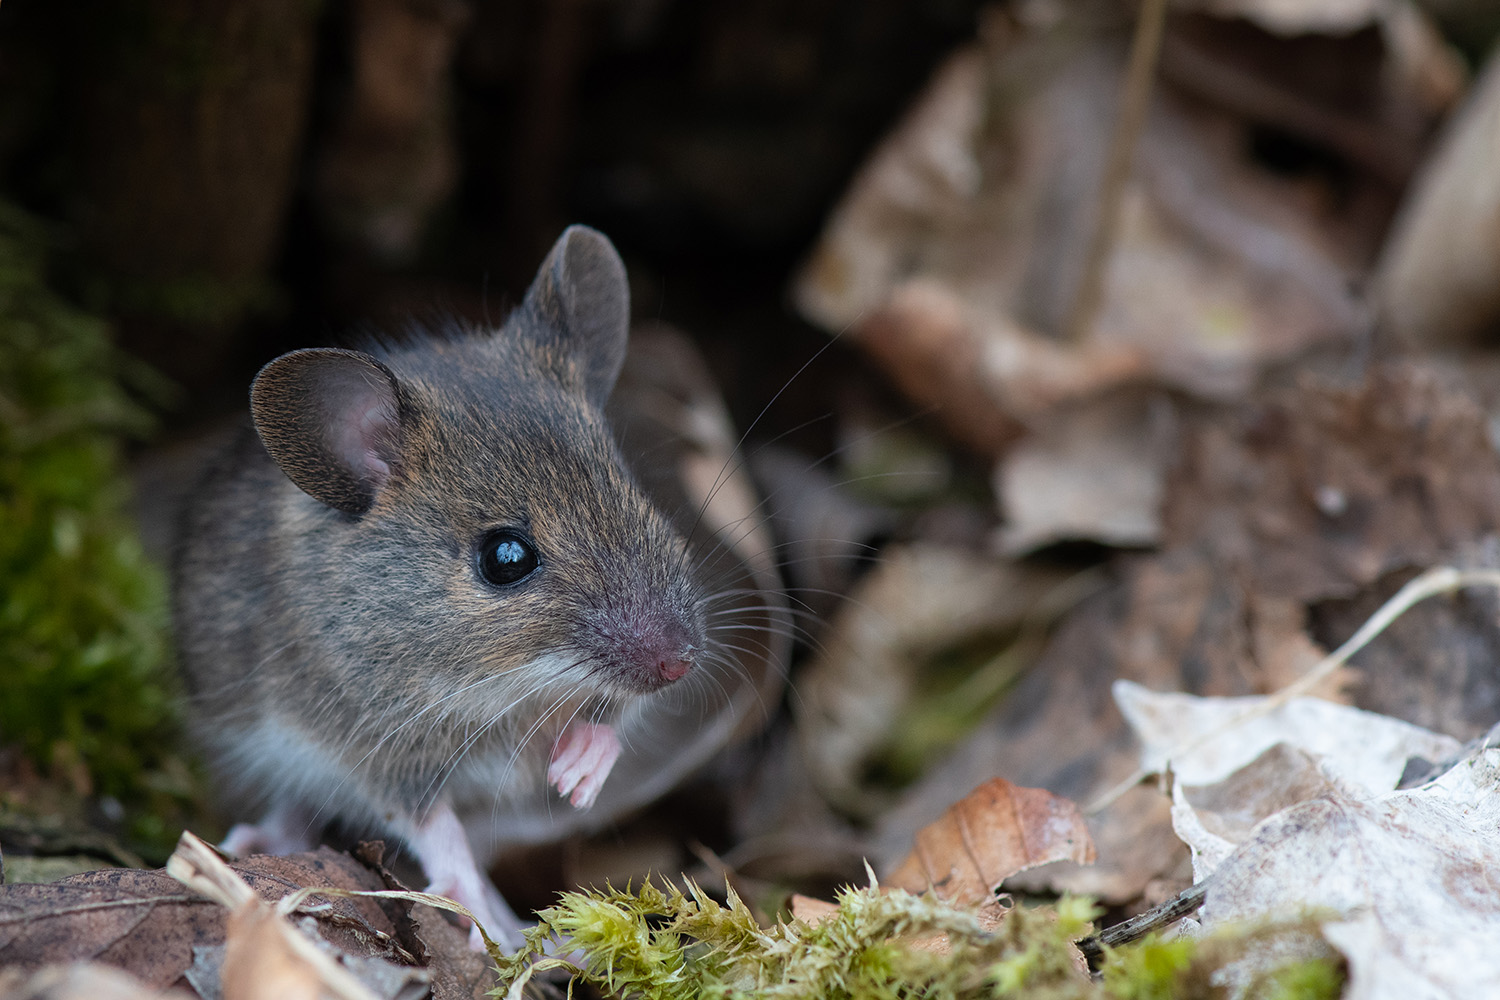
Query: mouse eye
x=506, y=557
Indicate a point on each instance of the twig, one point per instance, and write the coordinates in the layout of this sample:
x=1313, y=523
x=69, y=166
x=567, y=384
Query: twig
x=1142, y=924
x=1145, y=47
x=1439, y=580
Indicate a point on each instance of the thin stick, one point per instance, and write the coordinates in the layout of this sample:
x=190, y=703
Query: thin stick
x=1438, y=580
x=1142, y=924
x=1145, y=47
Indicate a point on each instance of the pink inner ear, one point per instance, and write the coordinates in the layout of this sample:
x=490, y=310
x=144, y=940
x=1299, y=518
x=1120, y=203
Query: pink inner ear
x=362, y=432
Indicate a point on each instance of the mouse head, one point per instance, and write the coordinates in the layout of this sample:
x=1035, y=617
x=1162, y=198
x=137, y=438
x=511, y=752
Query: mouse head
x=473, y=515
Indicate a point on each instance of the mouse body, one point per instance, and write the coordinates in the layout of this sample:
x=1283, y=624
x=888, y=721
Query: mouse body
x=426, y=586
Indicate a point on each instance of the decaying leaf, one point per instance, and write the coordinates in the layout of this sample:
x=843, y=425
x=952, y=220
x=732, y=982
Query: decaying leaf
x=1094, y=473
x=1403, y=883
x=955, y=254
x=1321, y=489
x=148, y=924
x=1276, y=513
x=992, y=833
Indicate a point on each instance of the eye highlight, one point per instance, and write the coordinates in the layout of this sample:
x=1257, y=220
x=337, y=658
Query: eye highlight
x=505, y=558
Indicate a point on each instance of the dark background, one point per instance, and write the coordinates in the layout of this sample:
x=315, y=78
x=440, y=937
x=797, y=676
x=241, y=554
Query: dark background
x=218, y=167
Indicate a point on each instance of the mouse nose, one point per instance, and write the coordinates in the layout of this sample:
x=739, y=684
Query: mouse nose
x=670, y=669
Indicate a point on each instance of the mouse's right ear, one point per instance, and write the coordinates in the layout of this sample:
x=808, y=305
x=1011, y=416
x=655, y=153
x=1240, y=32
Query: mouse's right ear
x=331, y=420
x=580, y=302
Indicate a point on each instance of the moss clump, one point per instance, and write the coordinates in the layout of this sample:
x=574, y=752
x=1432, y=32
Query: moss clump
x=666, y=944
x=83, y=611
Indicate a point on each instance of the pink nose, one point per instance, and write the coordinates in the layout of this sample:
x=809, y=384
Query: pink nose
x=670, y=670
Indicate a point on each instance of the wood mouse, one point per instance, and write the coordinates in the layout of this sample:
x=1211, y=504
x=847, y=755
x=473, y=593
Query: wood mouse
x=427, y=587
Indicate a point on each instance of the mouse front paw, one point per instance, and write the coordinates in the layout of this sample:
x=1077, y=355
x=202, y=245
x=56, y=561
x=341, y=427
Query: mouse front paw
x=581, y=760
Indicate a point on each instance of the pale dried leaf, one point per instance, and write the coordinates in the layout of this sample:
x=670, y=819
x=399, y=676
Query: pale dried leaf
x=1090, y=474
x=955, y=253
x=1204, y=740
x=1406, y=882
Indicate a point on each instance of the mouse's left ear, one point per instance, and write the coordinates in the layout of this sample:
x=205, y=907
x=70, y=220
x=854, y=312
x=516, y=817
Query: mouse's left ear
x=580, y=300
x=331, y=420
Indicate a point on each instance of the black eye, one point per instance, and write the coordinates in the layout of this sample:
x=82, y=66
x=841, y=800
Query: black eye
x=506, y=557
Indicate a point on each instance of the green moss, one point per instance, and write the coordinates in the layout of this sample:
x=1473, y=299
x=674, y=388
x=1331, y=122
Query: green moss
x=83, y=611
x=675, y=945
x=667, y=944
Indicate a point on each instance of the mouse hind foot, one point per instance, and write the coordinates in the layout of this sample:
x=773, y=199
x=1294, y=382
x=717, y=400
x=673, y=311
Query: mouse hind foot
x=443, y=848
x=286, y=829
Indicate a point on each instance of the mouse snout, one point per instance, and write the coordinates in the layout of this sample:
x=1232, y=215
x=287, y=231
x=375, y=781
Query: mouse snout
x=670, y=669
x=651, y=651
x=660, y=660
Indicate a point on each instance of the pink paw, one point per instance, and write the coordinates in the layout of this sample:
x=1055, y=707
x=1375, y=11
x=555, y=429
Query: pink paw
x=581, y=760
x=443, y=848
x=283, y=830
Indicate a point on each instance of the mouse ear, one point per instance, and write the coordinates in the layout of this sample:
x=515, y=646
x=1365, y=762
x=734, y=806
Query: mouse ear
x=330, y=419
x=580, y=301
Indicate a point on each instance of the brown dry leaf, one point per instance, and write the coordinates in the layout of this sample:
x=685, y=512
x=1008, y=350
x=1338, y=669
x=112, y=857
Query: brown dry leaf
x=1093, y=472
x=956, y=251
x=992, y=833
x=1320, y=490
x=810, y=910
x=146, y=923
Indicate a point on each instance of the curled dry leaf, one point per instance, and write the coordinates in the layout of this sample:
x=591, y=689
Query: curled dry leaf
x=994, y=832
x=1204, y=740
x=1439, y=277
x=265, y=956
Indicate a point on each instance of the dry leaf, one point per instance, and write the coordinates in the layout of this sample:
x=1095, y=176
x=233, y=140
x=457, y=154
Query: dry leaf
x=1439, y=280
x=1403, y=882
x=1094, y=473
x=1322, y=489
x=1204, y=740
x=80, y=981
x=955, y=254
x=995, y=831
x=812, y=911
x=148, y=924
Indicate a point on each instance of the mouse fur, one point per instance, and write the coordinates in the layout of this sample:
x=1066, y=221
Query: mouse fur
x=344, y=654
